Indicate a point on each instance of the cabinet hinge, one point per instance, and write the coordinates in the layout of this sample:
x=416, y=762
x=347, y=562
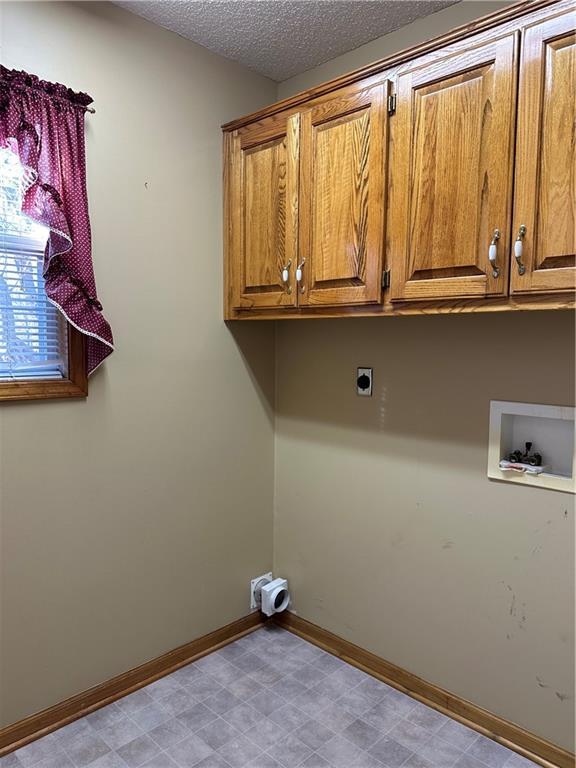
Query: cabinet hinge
x=392, y=104
x=385, y=278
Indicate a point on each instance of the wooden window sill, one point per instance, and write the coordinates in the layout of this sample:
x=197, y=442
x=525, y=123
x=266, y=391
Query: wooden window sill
x=76, y=385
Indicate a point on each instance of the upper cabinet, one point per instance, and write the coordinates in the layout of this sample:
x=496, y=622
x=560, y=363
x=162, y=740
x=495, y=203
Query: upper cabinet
x=441, y=179
x=545, y=196
x=452, y=174
x=261, y=215
x=342, y=179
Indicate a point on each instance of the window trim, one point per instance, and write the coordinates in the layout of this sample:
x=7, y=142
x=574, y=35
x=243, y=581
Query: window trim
x=76, y=385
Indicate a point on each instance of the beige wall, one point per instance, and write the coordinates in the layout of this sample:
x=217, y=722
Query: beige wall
x=386, y=525
x=133, y=522
x=385, y=522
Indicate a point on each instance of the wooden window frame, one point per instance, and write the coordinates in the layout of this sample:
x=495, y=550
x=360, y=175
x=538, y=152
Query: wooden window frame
x=76, y=385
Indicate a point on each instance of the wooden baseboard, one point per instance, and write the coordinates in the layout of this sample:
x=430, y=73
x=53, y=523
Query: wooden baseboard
x=510, y=735
x=40, y=724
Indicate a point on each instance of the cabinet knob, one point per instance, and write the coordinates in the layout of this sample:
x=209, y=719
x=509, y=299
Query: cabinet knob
x=519, y=249
x=493, y=253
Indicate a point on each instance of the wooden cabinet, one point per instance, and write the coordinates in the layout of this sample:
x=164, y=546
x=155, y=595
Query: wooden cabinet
x=452, y=174
x=545, y=196
x=402, y=188
x=262, y=214
x=342, y=172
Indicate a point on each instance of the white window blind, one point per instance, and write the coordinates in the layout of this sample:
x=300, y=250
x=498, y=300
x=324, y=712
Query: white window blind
x=32, y=331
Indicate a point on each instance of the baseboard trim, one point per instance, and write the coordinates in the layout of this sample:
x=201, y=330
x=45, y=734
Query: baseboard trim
x=509, y=734
x=42, y=723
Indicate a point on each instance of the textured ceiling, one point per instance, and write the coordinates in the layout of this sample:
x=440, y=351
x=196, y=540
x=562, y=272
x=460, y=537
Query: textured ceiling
x=282, y=38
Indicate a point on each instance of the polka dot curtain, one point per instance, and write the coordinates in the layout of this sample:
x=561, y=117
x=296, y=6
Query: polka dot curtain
x=43, y=124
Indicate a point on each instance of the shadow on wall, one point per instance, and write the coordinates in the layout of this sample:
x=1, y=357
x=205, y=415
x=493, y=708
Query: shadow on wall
x=255, y=343
x=434, y=376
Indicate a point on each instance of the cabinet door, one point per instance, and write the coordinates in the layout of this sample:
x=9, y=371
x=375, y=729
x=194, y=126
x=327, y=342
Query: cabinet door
x=545, y=188
x=343, y=143
x=452, y=174
x=262, y=214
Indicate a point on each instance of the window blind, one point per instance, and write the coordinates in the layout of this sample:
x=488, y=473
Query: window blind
x=32, y=331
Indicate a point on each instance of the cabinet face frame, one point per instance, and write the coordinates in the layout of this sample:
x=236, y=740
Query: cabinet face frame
x=486, y=70
x=548, y=214
x=343, y=151
x=262, y=178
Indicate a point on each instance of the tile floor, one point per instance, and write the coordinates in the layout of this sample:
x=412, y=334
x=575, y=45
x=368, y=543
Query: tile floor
x=269, y=700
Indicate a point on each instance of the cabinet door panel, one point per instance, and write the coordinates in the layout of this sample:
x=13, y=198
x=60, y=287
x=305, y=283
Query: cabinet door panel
x=545, y=189
x=342, y=199
x=264, y=216
x=452, y=173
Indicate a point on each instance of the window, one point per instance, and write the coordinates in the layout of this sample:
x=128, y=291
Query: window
x=32, y=334
x=34, y=337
